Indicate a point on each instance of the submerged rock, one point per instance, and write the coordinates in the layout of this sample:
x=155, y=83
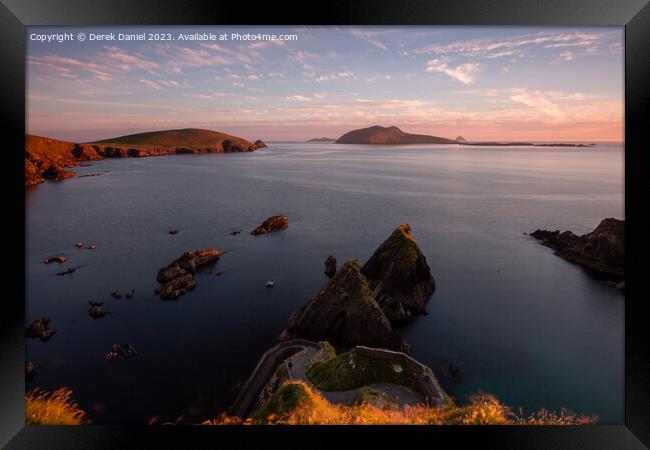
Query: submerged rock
x=399, y=276
x=345, y=313
x=330, y=266
x=40, y=329
x=602, y=250
x=177, y=278
x=273, y=223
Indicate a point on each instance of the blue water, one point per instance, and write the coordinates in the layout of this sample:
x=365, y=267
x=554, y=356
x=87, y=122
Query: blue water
x=519, y=322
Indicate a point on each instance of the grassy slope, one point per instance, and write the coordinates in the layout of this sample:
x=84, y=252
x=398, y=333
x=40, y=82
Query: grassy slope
x=352, y=370
x=187, y=138
x=296, y=403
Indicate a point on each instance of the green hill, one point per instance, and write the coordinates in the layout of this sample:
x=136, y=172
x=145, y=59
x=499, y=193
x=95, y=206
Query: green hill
x=187, y=138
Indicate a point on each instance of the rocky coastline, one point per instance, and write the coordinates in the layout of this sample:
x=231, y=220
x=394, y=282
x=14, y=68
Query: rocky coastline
x=601, y=251
x=48, y=159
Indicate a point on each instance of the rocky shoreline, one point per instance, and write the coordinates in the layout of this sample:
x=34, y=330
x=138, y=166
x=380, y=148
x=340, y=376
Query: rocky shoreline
x=601, y=251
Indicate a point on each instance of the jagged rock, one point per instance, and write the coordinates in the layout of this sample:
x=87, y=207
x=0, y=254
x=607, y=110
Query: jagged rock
x=96, y=311
x=602, y=250
x=173, y=289
x=344, y=313
x=330, y=266
x=40, y=329
x=399, y=276
x=260, y=144
x=177, y=278
x=56, y=173
x=273, y=223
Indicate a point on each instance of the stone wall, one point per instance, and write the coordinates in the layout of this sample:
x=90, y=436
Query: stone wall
x=426, y=381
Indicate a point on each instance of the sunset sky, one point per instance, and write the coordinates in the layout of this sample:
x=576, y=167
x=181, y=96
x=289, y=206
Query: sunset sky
x=506, y=83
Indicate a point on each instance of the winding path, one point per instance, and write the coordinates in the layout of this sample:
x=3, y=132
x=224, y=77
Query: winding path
x=263, y=372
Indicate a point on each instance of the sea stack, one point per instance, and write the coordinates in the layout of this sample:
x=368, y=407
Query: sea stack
x=399, y=276
x=344, y=313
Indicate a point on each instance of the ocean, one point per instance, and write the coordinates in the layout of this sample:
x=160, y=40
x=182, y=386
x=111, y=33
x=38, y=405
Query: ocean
x=518, y=321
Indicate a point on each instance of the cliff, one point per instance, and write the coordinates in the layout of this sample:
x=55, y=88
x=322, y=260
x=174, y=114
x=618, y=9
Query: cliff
x=378, y=135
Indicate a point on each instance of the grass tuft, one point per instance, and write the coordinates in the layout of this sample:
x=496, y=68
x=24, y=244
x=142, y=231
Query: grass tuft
x=53, y=408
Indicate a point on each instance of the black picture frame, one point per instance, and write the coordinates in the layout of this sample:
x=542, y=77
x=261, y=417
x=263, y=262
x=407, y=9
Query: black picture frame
x=634, y=15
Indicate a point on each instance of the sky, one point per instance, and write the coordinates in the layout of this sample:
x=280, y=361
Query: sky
x=482, y=83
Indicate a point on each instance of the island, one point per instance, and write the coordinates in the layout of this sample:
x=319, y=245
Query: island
x=378, y=135
x=322, y=139
x=47, y=159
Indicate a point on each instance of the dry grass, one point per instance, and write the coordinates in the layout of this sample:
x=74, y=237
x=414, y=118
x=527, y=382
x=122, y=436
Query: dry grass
x=53, y=408
x=310, y=408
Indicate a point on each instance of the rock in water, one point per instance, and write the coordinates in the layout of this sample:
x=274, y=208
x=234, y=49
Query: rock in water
x=30, y=371
x=602, y=250
x=177, y=278
x=330, y=266
x=399, y=276
x=273, y=223
x=345, y=313
x=40, y=328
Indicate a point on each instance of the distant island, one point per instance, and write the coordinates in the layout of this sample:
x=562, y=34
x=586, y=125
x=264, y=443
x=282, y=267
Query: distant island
x=46, y=159
x=378, y=135
x=322, y=139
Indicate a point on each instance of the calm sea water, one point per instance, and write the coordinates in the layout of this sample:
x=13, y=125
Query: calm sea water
x=519, y=322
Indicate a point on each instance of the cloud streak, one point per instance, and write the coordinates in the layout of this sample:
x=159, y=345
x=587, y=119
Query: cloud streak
x=465, y=73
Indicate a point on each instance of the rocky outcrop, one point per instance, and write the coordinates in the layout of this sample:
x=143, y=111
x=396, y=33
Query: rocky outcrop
x=460, y=140
x=377, y=135
x=45, y=159
x=399, y=276
x=273, y=223
x=602, y=251
x=178, y=277
x=96, y=310
x=344, y=313
x=40, y=328
x=330, y=266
